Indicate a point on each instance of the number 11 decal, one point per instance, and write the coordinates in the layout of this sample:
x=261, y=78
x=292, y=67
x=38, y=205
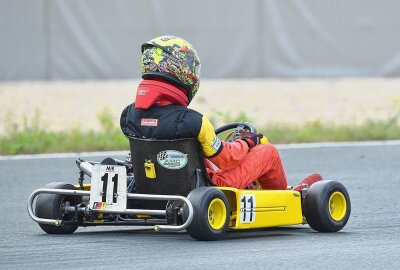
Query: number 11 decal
x=247, y=208
x=108, y=190
x=114, y=179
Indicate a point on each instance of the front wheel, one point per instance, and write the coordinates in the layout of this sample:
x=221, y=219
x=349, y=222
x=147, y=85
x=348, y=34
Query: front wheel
x=327, y=206
x=211, y=213
x=51, y=206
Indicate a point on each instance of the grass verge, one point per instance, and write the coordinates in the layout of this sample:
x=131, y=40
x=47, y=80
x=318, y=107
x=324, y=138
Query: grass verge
x=33, y=137
x=324, y=133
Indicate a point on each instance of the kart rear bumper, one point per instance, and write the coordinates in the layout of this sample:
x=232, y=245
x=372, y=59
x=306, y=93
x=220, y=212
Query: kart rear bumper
x=156, y=227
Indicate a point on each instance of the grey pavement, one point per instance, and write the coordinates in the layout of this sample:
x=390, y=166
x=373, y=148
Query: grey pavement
x=371, y=239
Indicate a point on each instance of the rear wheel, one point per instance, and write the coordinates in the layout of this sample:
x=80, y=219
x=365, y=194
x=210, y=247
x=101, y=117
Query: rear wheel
x=210, y=213
x=327, y=206
x=51, y=206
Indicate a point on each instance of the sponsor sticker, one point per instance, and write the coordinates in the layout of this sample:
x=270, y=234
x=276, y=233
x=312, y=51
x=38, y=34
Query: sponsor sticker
x=149, y=122
x=172, y=159
x=142, y=92
x=99, y=205
x=216, y=144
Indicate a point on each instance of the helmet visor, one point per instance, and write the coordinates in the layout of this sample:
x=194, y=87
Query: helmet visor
x=197, y=69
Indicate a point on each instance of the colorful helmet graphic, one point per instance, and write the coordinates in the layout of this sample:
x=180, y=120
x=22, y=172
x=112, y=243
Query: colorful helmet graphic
x=173, y=59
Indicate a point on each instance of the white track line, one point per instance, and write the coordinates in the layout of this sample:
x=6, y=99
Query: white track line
x=279, y=146
x=336, y=144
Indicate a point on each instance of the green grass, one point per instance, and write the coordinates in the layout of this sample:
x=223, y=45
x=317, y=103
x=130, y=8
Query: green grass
x=318, y=132
x=322, y=133
x=33, y=137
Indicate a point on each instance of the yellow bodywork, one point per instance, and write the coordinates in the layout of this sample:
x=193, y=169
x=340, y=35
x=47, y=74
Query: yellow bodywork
x=252, y=209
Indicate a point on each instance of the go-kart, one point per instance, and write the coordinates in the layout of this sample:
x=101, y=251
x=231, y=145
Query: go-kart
x=163, y=185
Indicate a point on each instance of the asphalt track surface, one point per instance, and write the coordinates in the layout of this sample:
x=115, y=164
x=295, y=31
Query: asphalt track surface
x=371, y=239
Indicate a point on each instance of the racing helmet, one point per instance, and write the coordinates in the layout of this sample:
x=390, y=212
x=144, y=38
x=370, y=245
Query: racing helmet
x=173, y=59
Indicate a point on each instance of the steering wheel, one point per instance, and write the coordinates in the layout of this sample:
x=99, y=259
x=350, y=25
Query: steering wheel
x=239, y=128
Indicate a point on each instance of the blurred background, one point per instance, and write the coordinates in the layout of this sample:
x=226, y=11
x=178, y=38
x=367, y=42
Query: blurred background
x=293, y=65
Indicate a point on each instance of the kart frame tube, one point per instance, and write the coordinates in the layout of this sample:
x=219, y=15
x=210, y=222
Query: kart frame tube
x=127, y=211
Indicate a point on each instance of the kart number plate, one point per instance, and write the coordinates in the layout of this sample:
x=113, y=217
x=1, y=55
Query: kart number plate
x=108, y=190
x=247, y=208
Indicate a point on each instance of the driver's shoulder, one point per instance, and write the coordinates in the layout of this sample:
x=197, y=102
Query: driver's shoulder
x=191, y=115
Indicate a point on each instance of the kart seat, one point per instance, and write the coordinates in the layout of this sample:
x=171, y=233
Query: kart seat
x=172, y=167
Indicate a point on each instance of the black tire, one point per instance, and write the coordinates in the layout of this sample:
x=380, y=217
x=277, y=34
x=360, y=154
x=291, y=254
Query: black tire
x=319, y=208
x=201, y=227
x=49, y=206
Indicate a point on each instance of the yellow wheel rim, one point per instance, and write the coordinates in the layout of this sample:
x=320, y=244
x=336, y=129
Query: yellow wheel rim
x=216, y=214
x=337, y=206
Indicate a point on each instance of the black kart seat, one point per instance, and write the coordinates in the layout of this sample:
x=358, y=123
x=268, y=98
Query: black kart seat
x=172, y=167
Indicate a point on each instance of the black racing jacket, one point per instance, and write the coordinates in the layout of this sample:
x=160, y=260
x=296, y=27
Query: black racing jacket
x=170, y=122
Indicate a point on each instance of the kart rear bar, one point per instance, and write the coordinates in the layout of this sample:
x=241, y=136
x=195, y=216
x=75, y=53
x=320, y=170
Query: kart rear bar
x=58, y=222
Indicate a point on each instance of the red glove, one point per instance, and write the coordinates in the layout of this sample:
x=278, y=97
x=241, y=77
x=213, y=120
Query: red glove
x=251, y=138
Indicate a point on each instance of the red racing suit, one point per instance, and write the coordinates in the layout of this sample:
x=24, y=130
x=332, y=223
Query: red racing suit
x=160, y=112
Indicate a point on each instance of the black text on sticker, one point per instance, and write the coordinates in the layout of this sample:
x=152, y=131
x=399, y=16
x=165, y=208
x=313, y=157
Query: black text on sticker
x=149, y=122
x=247, y=208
